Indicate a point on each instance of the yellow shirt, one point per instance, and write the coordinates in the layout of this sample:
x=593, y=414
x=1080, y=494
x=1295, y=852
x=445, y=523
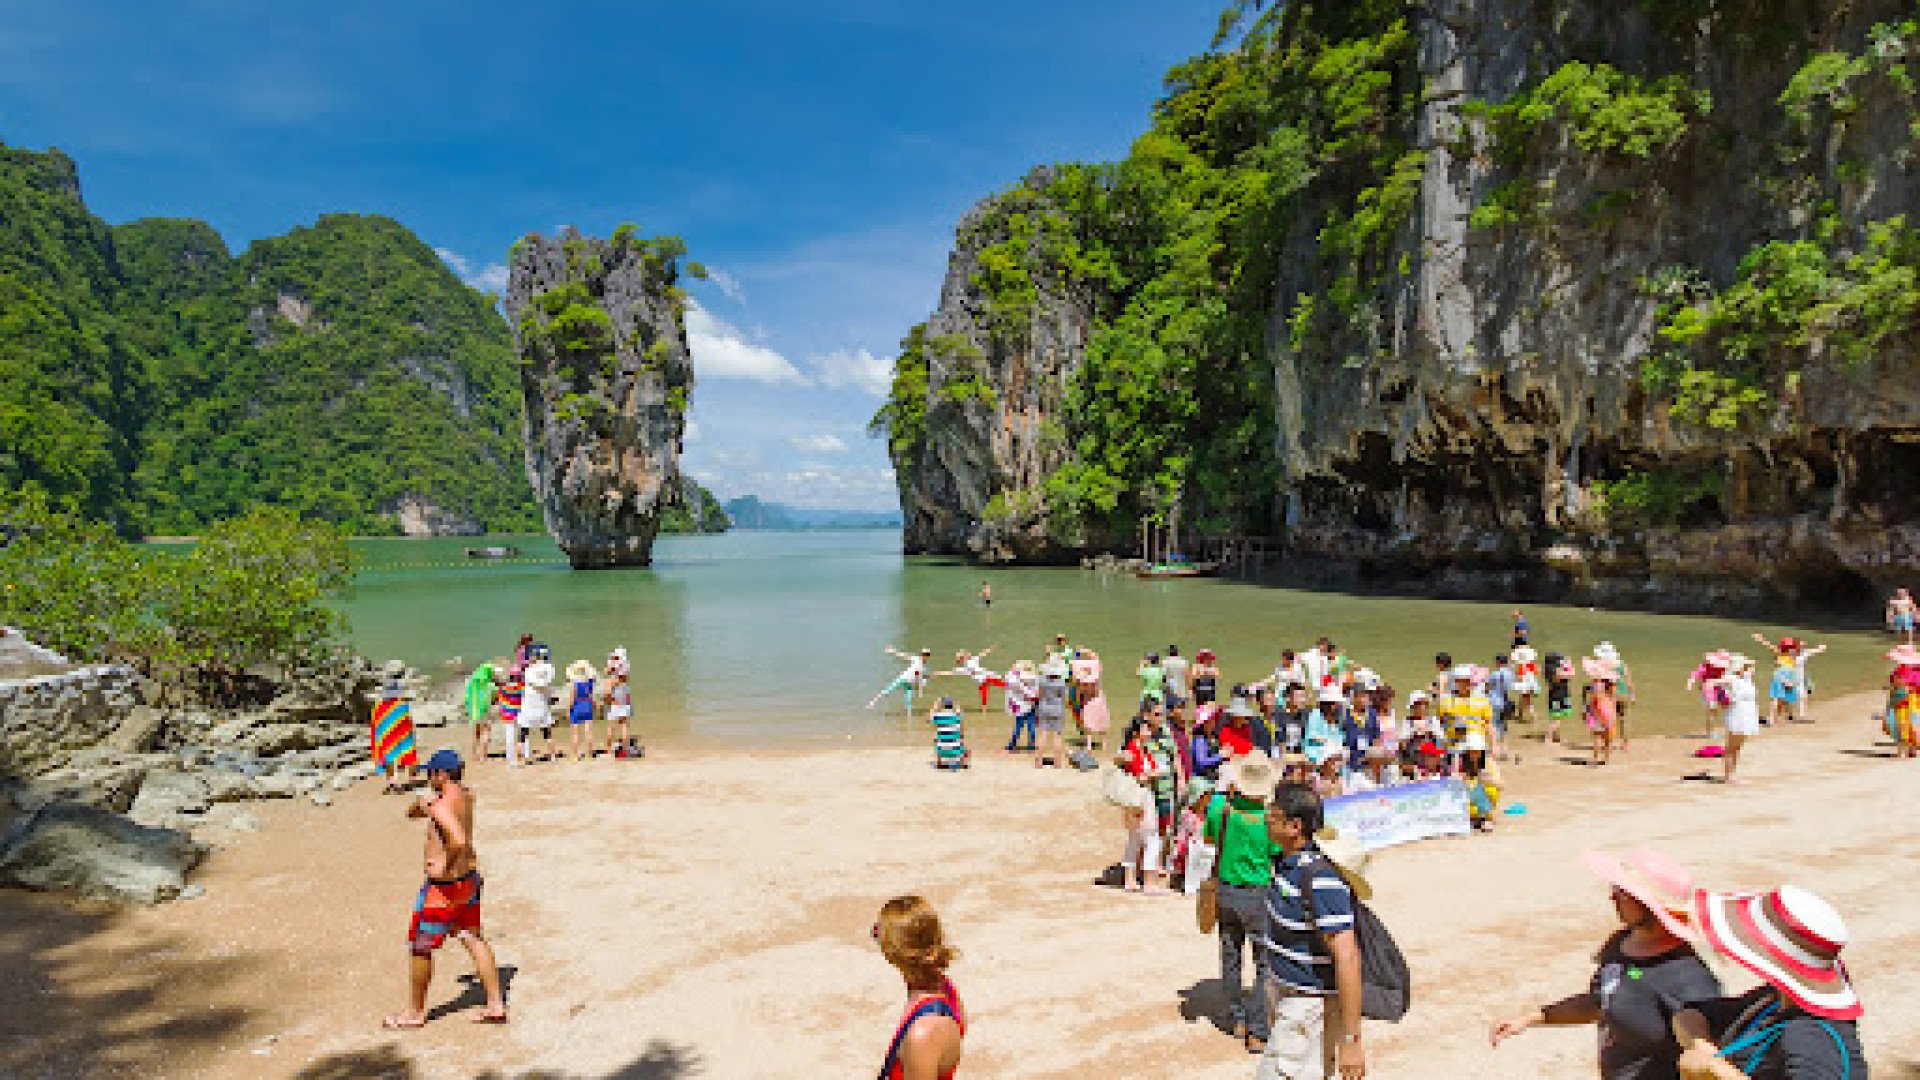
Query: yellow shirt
x=1473, y=713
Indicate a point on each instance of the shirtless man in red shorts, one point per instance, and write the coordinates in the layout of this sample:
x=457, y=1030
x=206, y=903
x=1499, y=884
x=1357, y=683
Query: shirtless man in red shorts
x=449, y=902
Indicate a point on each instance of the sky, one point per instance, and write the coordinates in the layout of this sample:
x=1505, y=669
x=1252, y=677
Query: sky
x=815, y=157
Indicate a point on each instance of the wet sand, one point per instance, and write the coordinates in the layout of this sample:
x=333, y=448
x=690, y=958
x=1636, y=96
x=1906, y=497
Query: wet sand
x=706, y=914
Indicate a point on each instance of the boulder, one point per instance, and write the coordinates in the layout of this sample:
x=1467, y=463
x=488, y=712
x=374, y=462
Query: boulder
x=274, y=786
x=70, y=847
x=165, y=795
x=273, y=740
x=110, y=785
x=139, y=732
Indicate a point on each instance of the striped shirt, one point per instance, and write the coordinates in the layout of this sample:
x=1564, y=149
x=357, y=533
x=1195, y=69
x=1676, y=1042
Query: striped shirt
x=1296, y=953
x=948, y=746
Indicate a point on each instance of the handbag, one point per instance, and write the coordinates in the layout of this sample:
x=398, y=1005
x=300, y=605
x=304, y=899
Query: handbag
x=1206, y=899
x=1122, y=790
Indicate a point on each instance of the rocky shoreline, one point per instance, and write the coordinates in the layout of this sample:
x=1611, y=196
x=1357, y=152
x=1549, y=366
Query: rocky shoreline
x=105, y=796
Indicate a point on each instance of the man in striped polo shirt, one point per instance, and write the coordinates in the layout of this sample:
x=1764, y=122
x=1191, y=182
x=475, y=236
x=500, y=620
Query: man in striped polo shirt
x=1312, y=955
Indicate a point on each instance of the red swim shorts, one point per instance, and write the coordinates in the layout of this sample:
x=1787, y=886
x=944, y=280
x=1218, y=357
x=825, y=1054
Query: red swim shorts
x=444, y=908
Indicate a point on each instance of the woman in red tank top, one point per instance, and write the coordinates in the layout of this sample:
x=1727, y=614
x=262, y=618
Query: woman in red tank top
x=926, y=1042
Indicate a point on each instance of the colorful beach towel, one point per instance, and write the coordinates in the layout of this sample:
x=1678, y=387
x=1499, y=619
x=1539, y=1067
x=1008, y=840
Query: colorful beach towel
x=393, y=735
x=480, y=693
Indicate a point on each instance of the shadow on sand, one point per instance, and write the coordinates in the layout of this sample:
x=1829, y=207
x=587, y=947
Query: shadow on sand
x=660, y=1061
x=70, y=1010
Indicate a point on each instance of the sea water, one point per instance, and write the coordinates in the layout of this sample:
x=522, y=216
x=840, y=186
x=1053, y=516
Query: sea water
x=780, y=637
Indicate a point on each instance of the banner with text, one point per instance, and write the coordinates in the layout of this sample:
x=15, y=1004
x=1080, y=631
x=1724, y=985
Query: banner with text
x=1402, y=813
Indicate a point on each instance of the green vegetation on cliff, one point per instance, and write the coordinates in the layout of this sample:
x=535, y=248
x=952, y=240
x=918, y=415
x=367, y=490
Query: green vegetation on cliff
x=151, y=379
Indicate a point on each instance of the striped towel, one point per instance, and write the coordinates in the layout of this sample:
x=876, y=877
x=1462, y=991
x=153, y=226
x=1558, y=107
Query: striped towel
x=393, y=735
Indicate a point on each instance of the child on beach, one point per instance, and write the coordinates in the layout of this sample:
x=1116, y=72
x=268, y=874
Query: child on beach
x=1600, y=712
x=1788, y=690
x=580, y=680
x=619, y=711
x=1559, y=675
x=1710, y=678
x=1903, y=701
x=511, y=692
x=1526, y=680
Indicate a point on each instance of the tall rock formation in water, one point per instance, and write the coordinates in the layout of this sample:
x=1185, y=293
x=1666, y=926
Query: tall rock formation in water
x=599, y=327
x=1614, y=302
x=994, y=379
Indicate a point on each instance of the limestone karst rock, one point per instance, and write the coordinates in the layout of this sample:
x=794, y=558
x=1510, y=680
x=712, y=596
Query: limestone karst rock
x=599, y=328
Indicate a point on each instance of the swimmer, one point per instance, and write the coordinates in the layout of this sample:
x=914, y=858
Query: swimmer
x=912, y=679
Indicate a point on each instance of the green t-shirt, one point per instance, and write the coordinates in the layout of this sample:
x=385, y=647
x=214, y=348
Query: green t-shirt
x=1153, y=682
x=1246, y=851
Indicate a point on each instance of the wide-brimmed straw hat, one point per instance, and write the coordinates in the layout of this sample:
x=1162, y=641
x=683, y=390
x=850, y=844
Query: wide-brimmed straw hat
x=1205, y=656
x=1366, y=679
x=394, y=669
x=1242, y=708
x=1656, y=881
x=1349, y=857
x=1905, y=656
x=1025, y=668
x=1331, y=692
x=1251, y=775
x=1718, y=658
x=578, y=670
x=1462, y=673
x=1600, y=670
x=1054, y=668
x=1789, y=937
x=1739, y=662
x=1605, y=651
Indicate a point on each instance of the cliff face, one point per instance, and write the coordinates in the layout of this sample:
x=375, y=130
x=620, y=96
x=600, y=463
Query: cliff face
x=1512, y=431
x=995, y=380
x=1615, y=303
x=150, y=378
x=605, y=372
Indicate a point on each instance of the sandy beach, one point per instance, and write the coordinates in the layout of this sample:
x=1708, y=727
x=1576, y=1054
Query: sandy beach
x=705, y=913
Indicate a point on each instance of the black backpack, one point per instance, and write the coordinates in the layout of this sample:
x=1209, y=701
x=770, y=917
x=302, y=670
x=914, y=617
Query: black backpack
x=1386, y=986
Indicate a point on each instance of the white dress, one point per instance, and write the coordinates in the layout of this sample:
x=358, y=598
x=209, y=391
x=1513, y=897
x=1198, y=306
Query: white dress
x=536, y=702
x=1743, y=715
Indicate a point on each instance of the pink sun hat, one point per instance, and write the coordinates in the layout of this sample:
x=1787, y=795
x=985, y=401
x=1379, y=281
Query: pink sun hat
x=1719, y=658
x=1905, y=656
x=1599, y=670
x=1656, y=881
x=1789, y=937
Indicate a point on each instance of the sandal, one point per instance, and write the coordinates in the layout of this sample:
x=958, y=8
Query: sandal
x=490, y=1018
x=396, y=1023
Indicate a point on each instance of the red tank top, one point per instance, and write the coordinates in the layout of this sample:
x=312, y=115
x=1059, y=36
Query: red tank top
x=945, y=1003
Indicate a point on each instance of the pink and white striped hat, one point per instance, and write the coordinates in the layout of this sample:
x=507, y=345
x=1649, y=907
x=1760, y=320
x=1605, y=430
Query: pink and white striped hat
x=1789, y=937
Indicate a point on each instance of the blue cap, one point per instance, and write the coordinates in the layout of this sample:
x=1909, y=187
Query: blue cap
x=443, y=761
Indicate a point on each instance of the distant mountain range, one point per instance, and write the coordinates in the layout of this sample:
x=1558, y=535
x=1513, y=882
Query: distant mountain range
x=748, y=512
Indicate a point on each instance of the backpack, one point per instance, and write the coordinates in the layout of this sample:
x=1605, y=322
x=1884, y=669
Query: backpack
x=1083, y=761
x=1386, y=986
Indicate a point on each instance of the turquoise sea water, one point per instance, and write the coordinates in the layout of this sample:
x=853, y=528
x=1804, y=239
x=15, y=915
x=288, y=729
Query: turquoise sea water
x=778, y=637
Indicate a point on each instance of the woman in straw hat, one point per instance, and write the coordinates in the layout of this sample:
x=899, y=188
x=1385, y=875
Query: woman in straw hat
x=926, y=1041
x=1645, y=973
x=1743, y=712
x=1903, y=700
x=580, y=680
x=1050, y=712
x=1800, y=1025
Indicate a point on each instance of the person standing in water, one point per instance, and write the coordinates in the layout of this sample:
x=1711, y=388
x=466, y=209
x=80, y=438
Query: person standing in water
x=986, y=595
x=1176, y=668
x=1901, y=615
x=1153, y=680
x=1520, y=628
x=910, y=681
x=449, y=902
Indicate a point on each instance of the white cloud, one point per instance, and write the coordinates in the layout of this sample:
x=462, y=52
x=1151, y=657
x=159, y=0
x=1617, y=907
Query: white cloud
x=856, y=368
x=819, y=487
x=721, y=352
x=728, y=285
x=825, y=442
x=691, y=432
x=491, y=278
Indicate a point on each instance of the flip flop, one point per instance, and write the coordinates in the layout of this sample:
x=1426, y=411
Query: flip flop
x=490, y=1018
x=394, y=1023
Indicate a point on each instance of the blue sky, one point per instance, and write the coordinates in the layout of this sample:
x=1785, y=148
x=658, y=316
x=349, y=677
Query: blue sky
x=815, y=155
